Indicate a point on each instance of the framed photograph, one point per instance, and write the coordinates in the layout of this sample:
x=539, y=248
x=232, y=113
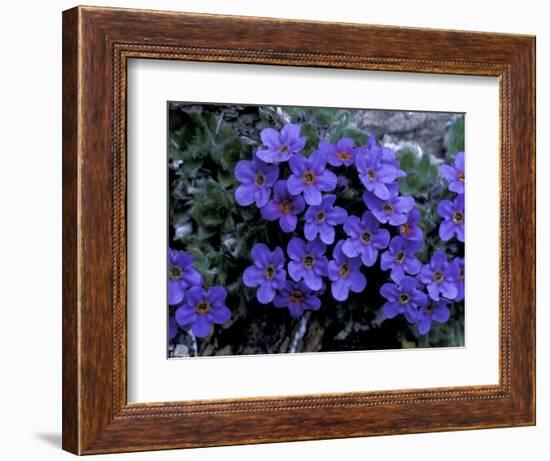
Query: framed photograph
x=331, y=234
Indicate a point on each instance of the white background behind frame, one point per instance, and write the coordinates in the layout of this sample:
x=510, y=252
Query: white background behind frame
x=152, y=377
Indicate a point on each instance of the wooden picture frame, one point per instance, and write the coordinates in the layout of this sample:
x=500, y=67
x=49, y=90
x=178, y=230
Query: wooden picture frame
x=97, y=43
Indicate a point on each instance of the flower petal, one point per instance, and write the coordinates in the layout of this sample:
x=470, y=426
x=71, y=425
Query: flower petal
x=424, y=324
x=296, y=249
x=445, y=209
x=318, y=160
x=288, y=222
x=312, y=195
x=313, y=303
x=176, y=292
x=340, y=290
x=298, y=164
x=195, y=295
x=390, y=291
x=337, y=215
x=216, y=295
x=261, y=255
x=447, y=230
x=295, y=184
x=368, y=255
x=310, y=231
x=441, y=313
x=296, y=270
x=327, y=234
x=245, y=172
x=326, y=181
x=271, y=211
x=353, y=227
x=185, y=315
x=448, y=289
x=253, y=276
x=261, y=196
x=201, y=326
x=391, y=310
x=290, y=132
x=265, y=293
x=351, y=248
x=270, y=138
x=312, y=280
x=219, y=314
x=358, y=281
x=278, y=257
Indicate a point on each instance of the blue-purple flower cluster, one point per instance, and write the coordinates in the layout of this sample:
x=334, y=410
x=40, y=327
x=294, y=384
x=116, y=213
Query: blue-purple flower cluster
x=452, y=211
x=306, y=205
x=195, y=308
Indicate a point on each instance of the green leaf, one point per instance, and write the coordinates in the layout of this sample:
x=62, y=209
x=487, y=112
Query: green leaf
x=212, y=205
x=408, y=160
x=454, y=139
x=312, y=135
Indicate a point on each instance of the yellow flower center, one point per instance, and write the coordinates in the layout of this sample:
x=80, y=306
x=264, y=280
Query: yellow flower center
x=269, y=272
x=309, y=178
x=285, y=206
x=296, y=296
x=458, y=217
x=344, y=270
x=174, y=273
x=203, y=307
x=366, y=237
x=343, y=155
x=260, y=180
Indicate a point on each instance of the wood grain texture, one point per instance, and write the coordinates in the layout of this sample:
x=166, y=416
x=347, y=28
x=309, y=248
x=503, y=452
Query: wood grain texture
x=97, y=43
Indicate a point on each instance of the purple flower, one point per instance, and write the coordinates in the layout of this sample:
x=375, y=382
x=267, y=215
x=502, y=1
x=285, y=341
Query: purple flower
x=440, y=277
x=256, y=178
x=298, y=298
x=283, y=207
x=268, y=272
x=321, y=219
x=172, y=328
x=453, y=218
x=308, y=262
x=410, y=229
x=345, y=274
x=202, y=309
x=280, y=146
x=310, y=177
x=401, y=258
x=458, y=264
x=455, y=174
x=341, y=153
x=388, y=155
x=365, y=238
x=433, y=311
x=394, y=210
x=181, y=275
x=375, y=174
x=403, y=298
